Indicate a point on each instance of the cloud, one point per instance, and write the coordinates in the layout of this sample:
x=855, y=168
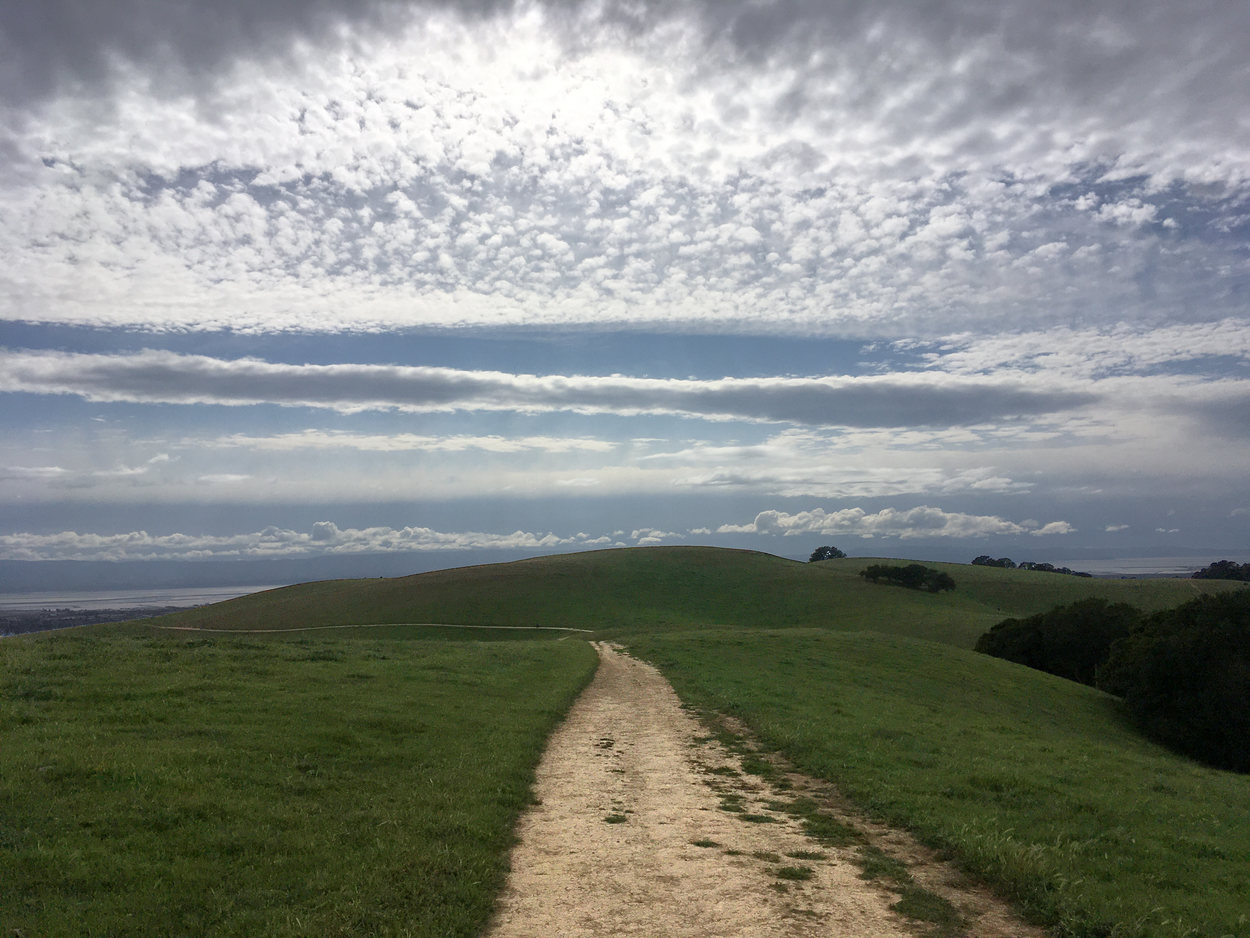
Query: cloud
x=921, y=522
x=59, y=46
x=33, y=472
x=1115, y=350
x=1114, y=528
x=649, y=537
x=312, y=439
x=960, y=82
x=324, y=538
x=166, y=377
x=307, y=165
x=1053, y=527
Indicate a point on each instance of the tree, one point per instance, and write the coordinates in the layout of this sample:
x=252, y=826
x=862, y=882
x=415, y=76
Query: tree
x=826, y=553
x=985, y=560
x=1070, y=641
x=1185, y=678
x=913, y=576
x=1224, y=570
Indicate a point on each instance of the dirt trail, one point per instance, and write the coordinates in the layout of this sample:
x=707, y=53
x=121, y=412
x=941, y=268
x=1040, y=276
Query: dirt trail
x=643, y=826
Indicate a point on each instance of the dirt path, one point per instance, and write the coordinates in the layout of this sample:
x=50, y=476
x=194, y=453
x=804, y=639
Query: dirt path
x=644, y=825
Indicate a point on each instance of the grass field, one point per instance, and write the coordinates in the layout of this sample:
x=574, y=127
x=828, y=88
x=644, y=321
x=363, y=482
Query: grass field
x=343, y=785
x=364, y=780
x=663, y=588
x=1030, y=781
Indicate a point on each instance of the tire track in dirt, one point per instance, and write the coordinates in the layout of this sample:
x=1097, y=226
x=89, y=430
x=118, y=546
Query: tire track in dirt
x=643, y=826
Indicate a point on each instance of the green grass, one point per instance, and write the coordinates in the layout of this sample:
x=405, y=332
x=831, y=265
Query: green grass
x=1034, y=783
x=663, y=588
x=222, y=786
x=364, y=780
x=795, y=873
x=807, y=855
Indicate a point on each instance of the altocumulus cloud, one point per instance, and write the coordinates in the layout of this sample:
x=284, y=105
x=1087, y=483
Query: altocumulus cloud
x=913, y=399
x=795, y=166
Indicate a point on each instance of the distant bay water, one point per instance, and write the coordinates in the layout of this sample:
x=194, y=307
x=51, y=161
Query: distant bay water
x=123, y=599
x=1147, y=566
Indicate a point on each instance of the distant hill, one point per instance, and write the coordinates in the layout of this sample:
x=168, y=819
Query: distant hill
x=662, y=588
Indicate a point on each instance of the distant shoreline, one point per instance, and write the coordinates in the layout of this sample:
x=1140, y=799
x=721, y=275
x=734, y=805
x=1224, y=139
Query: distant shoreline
x=130, y=599
x=26, y=621
x=24, y=613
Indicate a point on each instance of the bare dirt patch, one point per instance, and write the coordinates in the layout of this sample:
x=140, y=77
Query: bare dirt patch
x=644, y=824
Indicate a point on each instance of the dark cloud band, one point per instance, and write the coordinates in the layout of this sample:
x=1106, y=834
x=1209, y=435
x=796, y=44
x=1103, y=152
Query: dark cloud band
x=170, y=378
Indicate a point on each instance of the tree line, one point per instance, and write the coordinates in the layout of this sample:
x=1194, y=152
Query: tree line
x=1224, y=570
x=985, y=560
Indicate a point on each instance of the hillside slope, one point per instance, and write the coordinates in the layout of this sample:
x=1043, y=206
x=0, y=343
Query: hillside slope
x=662, y=588
x=1032, y=782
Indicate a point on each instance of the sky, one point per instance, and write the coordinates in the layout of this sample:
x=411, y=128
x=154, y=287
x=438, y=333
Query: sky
x=304, y=278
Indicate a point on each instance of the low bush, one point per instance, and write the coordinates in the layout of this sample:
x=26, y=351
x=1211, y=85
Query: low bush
x=913, y=576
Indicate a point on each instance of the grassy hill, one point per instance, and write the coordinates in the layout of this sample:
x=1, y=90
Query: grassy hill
x=661, y=588
x=1034, y=783
x=160, y=782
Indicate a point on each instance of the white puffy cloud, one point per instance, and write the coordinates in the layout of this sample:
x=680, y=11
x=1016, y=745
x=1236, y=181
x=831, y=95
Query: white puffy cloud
x=920, y=522
x=273, y=542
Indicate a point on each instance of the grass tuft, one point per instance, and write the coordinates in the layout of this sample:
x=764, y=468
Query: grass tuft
x=807, y=855
x=875, y=863
x=757, y=818
x=795, y=873
x=922, y=905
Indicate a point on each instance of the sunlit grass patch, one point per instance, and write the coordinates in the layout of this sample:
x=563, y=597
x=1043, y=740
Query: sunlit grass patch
x=1033, y=783
x=221, y=786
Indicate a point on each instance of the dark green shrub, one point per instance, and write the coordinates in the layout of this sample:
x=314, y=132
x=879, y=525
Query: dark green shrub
x=1224, y=570
x=1185, y=678
x=913, y=576
x=985, y=560
x=1071, y=641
